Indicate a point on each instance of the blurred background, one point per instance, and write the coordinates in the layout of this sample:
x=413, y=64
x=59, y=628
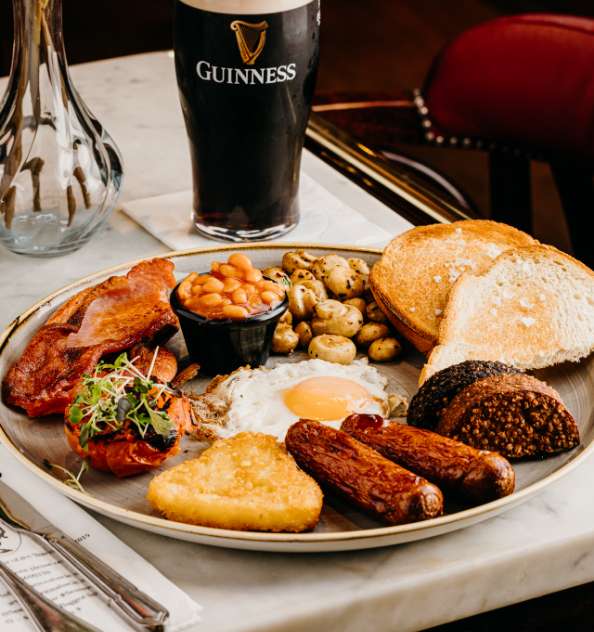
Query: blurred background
x=376, y=46
x=389, y=44
x=373, y=45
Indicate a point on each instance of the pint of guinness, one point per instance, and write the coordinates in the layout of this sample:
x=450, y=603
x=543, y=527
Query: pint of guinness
x=246, y=72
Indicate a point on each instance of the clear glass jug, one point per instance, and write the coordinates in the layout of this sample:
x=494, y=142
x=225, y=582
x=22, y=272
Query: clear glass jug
x=60, y=171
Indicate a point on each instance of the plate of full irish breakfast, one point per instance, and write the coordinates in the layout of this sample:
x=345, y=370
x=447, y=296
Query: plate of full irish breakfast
x=296, y=397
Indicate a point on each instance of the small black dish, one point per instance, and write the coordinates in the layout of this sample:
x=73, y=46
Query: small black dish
x=221, y=346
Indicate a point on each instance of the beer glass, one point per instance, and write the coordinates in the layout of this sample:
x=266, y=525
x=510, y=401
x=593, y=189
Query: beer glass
x=246, y=72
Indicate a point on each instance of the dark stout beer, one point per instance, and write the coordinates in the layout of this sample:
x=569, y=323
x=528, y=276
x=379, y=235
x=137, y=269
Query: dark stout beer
x=246, y=71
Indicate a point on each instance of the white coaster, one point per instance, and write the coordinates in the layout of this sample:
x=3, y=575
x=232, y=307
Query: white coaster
x=324, y=219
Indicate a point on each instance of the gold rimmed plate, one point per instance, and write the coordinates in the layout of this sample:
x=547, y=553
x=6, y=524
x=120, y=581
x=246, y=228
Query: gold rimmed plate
x=35, y=442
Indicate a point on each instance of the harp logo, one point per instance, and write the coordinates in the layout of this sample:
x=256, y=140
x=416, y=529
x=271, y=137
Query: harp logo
x=251, y=39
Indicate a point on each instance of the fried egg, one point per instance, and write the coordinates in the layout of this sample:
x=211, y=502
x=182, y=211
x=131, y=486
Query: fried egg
x=270, y=400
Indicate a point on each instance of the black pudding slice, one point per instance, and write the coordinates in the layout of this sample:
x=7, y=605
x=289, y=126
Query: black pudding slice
x=438, y=391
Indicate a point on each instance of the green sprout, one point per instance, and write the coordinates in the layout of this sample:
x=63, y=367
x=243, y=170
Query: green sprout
x=116, y=394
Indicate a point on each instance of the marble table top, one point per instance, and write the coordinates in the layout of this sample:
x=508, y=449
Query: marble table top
x=542, y=546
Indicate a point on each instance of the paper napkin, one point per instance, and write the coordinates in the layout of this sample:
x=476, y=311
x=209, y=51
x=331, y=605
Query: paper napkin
x=51, y=577
x=324, y=219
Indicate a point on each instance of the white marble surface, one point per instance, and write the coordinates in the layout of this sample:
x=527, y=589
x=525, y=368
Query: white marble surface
x=542, y=546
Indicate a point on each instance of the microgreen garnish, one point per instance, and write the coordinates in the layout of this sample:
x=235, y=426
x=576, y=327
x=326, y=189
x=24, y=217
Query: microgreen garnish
x=70, y=479
x=118, y=392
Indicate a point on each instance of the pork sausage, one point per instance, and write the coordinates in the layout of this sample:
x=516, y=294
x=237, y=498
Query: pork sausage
x=476, y=476
x=361, y=475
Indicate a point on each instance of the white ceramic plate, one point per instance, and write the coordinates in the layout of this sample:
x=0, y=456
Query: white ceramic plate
x=341, y=528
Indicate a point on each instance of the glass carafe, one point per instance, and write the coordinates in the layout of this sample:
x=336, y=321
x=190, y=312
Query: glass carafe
x=60, y=171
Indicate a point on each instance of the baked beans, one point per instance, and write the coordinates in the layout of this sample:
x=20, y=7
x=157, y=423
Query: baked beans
x=233, y=289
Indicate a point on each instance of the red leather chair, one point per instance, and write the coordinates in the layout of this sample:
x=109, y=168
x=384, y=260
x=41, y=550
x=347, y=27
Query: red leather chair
x=520, y=88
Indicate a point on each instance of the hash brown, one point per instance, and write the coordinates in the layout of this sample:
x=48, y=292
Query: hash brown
x=248, y=482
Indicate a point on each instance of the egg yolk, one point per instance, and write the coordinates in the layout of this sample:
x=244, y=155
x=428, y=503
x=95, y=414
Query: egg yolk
x=326, y=398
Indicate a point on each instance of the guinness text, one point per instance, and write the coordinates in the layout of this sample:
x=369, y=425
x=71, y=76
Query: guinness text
x=246, y=76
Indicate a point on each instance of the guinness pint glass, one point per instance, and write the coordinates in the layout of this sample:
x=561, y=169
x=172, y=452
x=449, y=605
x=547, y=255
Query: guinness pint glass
x=246, y=71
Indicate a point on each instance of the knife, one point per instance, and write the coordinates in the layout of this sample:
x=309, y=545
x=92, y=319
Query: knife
x=136, y=607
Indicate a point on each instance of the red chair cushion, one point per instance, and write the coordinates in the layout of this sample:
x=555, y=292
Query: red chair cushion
x=526, y=80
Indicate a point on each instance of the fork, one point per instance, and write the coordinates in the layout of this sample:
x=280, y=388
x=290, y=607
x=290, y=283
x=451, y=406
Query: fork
x=47, y=616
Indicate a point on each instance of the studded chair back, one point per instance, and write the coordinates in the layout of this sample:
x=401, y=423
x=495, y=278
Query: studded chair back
x=521, y=88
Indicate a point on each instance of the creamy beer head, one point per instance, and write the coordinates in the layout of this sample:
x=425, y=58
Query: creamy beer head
x=246, y=72
x=246, y=7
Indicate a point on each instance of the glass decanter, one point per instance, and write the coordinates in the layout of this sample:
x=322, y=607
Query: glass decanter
x=60, y=171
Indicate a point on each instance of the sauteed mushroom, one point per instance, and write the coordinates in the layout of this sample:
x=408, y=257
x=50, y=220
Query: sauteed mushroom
x=303, y=330
x=371, y=332
x=384, y=349
x=304, y=296
x=334, y=317
x=332, y=349
x=339, y=277
x=374, y=313
x=357, y=302
x=278, y=275
x=299, y=259
x=301, y=274
x=284, y=339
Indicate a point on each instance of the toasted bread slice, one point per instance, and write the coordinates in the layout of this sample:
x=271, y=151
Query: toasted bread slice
x=247, y=482
x=534, y=307
x=412, y=281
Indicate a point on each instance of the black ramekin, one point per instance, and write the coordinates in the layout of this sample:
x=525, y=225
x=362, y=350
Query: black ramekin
x=221, y=346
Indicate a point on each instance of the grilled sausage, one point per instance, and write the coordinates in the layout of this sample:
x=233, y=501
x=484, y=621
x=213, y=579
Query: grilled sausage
x=362, y=475
x=473, y=475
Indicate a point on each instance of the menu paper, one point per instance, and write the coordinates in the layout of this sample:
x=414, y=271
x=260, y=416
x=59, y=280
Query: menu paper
x=325, y=219
x=46, y=572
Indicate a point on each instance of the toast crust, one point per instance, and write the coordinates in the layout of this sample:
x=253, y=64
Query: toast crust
x=421, y=342
x=412, y=281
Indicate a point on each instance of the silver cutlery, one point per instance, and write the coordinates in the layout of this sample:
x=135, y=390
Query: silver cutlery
x=45, y=615
x=137, y=608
